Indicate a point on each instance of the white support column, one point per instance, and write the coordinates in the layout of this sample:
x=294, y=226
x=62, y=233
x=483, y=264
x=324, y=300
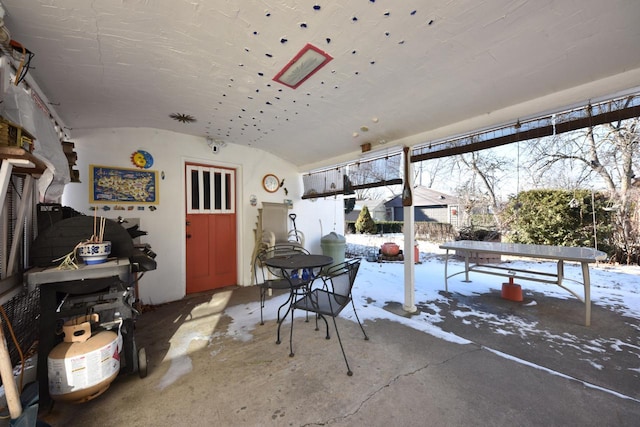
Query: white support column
x=409, y=258
x=409, y=261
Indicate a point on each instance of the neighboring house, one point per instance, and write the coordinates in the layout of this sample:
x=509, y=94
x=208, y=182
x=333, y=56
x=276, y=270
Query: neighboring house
x=429, y=205
x=377, y=210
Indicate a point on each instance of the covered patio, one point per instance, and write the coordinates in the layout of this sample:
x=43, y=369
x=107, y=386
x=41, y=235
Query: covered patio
x=200, y=83
x=212, y=363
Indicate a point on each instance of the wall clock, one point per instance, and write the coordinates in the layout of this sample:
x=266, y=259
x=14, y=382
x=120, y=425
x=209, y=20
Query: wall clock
x=270, y=183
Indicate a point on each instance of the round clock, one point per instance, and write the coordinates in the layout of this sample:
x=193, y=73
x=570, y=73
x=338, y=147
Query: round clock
x=270, y=183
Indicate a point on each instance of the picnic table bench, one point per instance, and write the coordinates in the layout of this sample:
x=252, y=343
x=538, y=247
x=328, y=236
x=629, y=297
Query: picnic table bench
x=470, y=249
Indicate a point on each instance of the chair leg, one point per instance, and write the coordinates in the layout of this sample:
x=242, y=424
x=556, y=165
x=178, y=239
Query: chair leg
x=305, y=291
x=349, y=372
x=366, y=337
x=318, y=315
x=281, y=319
x=291, y=354
x=280, y=308
x=262, y=300
x=326, y=325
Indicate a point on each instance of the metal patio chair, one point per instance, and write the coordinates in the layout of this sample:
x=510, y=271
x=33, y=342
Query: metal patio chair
x=269, y=279
x=330, y=300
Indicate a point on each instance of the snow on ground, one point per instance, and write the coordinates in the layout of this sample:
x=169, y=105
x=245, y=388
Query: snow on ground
x=614, y=287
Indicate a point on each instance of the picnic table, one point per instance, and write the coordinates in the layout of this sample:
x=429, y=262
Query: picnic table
x=470, y=249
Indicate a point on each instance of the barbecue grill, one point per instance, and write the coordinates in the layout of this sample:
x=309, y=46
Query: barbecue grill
x=108, y=289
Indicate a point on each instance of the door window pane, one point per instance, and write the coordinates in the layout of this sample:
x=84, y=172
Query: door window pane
x=195, y=190
x=227, y=193
x=217, y=179
x=207, y=189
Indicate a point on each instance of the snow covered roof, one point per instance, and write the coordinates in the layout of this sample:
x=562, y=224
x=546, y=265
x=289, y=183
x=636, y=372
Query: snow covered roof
x=424, y=196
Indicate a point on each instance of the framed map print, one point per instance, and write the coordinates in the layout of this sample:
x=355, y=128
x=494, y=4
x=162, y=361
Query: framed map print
x=122, y=185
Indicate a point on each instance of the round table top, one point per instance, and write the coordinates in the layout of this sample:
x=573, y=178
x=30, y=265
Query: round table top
x=294, y=262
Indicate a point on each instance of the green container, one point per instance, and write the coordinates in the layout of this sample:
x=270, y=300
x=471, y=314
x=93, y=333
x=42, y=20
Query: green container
x=334, y=245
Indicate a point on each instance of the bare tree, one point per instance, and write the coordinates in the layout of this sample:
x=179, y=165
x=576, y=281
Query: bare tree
x=380, y=170
x=375, y=193
x=429, y=172
x=607, y=154
x=480, y=188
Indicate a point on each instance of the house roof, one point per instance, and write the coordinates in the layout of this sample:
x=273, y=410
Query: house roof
x=402, y=73
x=423, y=196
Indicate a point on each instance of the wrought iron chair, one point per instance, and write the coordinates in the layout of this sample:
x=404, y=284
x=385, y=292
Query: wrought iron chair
x=269, y=279
x=330, y=300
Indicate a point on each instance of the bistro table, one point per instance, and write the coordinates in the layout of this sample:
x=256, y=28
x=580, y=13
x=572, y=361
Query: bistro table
x=293, y=268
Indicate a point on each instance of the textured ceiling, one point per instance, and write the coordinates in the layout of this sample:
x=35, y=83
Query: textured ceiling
x=400, y=70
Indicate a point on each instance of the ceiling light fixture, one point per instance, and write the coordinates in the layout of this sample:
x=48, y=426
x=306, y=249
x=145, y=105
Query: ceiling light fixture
x=307, y=62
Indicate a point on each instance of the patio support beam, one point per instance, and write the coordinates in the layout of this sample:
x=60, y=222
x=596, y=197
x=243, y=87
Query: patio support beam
x=532, y=132
x=409, y=257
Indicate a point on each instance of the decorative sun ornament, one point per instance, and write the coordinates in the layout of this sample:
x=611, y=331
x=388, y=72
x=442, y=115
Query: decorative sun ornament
x=182, y=118
x=142, y=159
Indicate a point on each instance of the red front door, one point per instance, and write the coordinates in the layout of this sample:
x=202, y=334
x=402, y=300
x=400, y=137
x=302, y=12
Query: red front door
x=211, y=228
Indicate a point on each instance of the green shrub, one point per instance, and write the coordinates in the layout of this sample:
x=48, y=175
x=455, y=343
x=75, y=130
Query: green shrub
x=557, y=217
x=389, y=227
x=365, y=224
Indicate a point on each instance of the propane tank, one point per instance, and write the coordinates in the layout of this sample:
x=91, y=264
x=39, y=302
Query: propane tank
x=82, y=367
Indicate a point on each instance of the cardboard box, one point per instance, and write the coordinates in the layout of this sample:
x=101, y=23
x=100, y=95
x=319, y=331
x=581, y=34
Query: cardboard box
x=12, y=135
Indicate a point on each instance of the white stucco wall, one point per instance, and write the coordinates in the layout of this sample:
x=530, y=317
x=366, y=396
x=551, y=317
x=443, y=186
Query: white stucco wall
x=166, y=225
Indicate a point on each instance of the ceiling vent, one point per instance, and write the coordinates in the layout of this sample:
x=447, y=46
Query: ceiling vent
x=182, y=118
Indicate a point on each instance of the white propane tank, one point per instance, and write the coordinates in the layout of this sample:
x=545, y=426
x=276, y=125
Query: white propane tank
x=82, y=367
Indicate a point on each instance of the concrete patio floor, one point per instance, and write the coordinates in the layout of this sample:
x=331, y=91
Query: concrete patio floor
x=201, y=376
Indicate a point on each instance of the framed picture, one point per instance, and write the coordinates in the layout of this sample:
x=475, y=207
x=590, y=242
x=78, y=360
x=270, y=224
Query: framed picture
x=122, y=185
